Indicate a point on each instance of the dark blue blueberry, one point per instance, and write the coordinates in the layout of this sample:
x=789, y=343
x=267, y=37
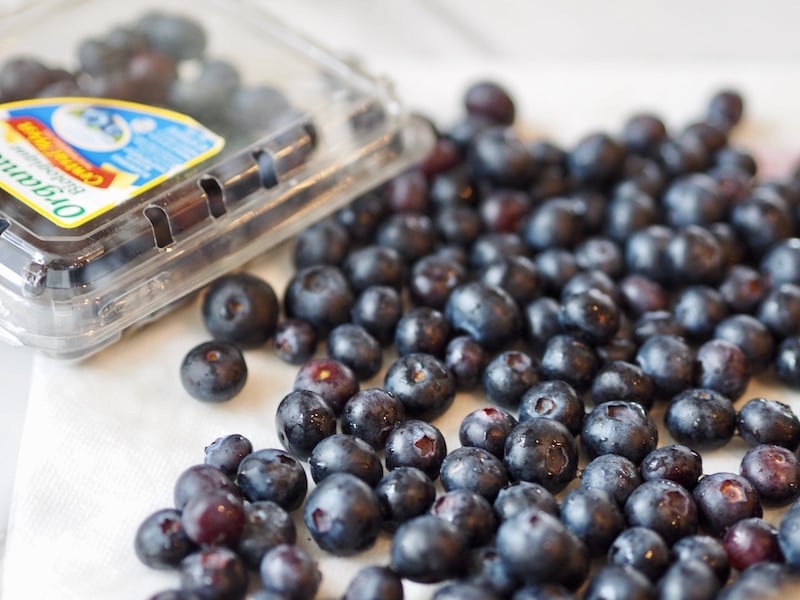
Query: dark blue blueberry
x=583, y=281
x=460, y=225
x=521, y=496
x=302, y=420
x=455, y=188
x=353, y=346
x=215, y=518
x=732, y=250
x=290, y=571
x=556, y=266
x=698, y=309
x=740, y=159
x=341, y=453
x=543, y=591
x=378, y=309
x=488, y=570
x=657, y=322
x=537, y=548
x=499, y=157
x=225, y=453
x=240, y=308
x=782, y=263
x=620, y=380
x=789, y=536
x=404, y=493
x=371, y=414
x=777, y=580
x=295, y=341
x=701, y=419
x=594, y=516
x=619, y=427
x=407, y=192
x=762, y=220
x=643, y=132
x=487, y=428
x=541, y=321
x=752, y=337
x=568, y=358
x=663, y=506
x=689, y=580
x=330, y=378
x=411, y=235
x=204, y=95
x=674, y=462
x=491, y=100
x=669, y=361
x=553, y=399
x=517, y=275
x=489, y=248
x=342, y=514
x=214, y=574
x=422, y=330
x=775, y=473
x=161, y=542
x=416, y=444
x=723, y=367
x=257, y=108
x=787, y=361
x=422, y=383
x=751, y=541
x=683, y=154
x=474, y=469
x=324, y=243
x=706, y=549
x=641, y=549
x=508, y=376
x=22, y=77
x=646, y=252
x=176, y=35
x=615, y=582
x=361, y=217
x=594, y=205
x=375, y=265
x=723, y=499
x=464, y=131
x=542, y=451
x=726, y=108
x=612, y=473
x=590, y=315
x=374, y=583
x=198, y=480
x=470, y=512
x=267, y=525
x=465, y=590
x=602, y=254
x=466, y=359
x=763, y=421
x=556, y=223
x=596, y=159
x=213, y=371
x=502, y=210
x=428, y=549
x=433, y=278
x=630, y=210
x=743, y=288
x=693, y=200
x=320, y=295
x=175, y=595
x=694, y=256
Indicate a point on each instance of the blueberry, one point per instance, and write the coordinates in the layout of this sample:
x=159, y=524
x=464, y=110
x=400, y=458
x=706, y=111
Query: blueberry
x=763, y=421
x=330, y=378
x=404, y=493
x=726, y=108
x=701, y=419
x=412, y=235
x=614, y=582
x=466, y=359
x=161, y=541
x=542, y=451
x=303, y=419
x=464, y=590
x=422, y=330
x=290, y=571
x=407, y=192
x=98, y=57
x=342, y=514
x=371, y=415
x=543, y=591
x=468, y=511
x=631, y=210
x=517, y=275
x=646, y=252
x=227, y=452
x=706, y=549
x=324, y=243
x=612, y=473
x=657, y=322
x=663, y=506
x=777, y=578
x=361, y=217
x=375, y=265
x=433, y=278
x=594, y=517
x=723, y=367
x=693, y=200
x=690, y=580
x=489, y=99
x=258, y=108
x=787, y=361
x=473, y=469
x=22, y=77
x=743, y=288
x=682, y=154
x=751, y=336
x=488, y=571
x=199, y=480
x=723, y=499
x=374, y=583
x=669, y=361
x=267, y=525
x=354, y=347
x=556, y=266
x=751, y=541
x=214, y=518
x=694, y=256
x=508, y=376
x=498, y=156
x=541, y=321
x=781, y=264
x=619, y=427
x=489, y=248
x=341, y=453
x=206, y=95
x=320, y=295
x=643, y=132
x=762, y=221
x=590, y=315
x=213, y=371
x=214, y=574
x=502, y=210
x=427, y=549
x=775, y=473
x=556, y=222
x=675, y=462
x=620, y=380
x=583, y=281
x=641, y=549
x=554, y=399
x=416, y=444
x=422, y=383
x=789, y=536
x=176, y=35
x=295, y=341
x=596, y=159
x=570, y=359
x=521, y=496
x=602, y=254
x=378, y=309
x=458, y=225
x=487, y=428
x=698, y=309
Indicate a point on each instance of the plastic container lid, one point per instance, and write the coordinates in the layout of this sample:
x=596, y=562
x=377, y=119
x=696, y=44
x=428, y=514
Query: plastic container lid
x=145, y=153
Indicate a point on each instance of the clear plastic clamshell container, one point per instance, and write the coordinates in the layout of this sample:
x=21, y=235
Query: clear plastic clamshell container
x=149, y=147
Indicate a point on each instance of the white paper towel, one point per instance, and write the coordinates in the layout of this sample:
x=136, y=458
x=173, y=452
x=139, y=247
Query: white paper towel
x=105, y=439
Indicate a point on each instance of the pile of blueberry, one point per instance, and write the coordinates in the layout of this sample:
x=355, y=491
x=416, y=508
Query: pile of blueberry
x=578, y=290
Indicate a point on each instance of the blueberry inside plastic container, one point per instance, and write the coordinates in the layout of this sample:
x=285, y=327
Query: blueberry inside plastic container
x=148, y=151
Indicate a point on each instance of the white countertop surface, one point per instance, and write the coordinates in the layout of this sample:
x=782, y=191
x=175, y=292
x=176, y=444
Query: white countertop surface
x=595, y=48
